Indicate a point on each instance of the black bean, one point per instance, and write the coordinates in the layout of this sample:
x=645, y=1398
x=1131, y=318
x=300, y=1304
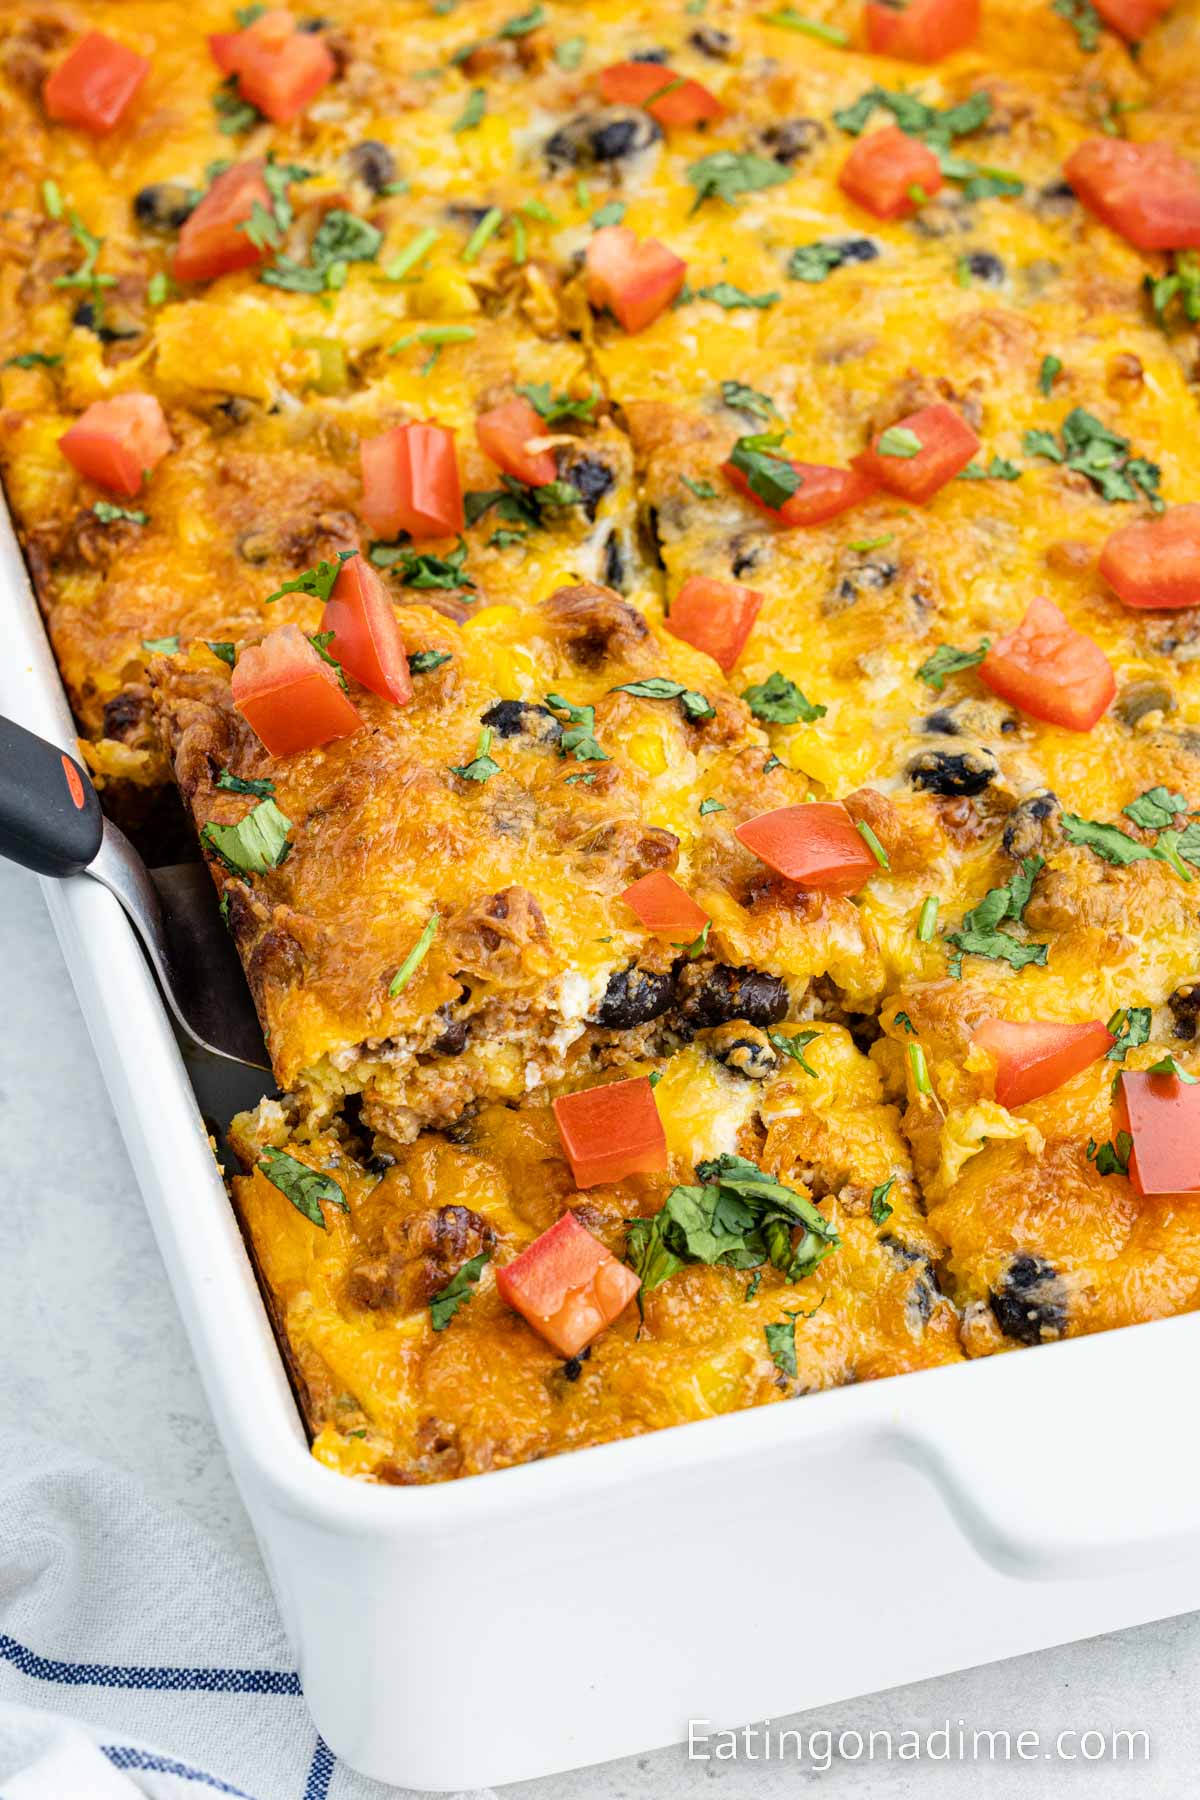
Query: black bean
x=650, y=56
x=372, y=163
x=633, y=997
x=925, y=1291
x=312, y=25
x=453, y=1040
x=608, y=135
x=1057, y=198
x=753, y=1058
x=857, y=249
x=970, y=717
x=1031, y=822
x=722, y=993
x=743, y=554
x=710, y=40
x=791, y=139
x=592, y=479
x=164, y=205
x=986, y=267
x=648, y=522
x=1030, y=1300
x=1142, y=697
x=465, y=214
x=523, y=718
x=614, y=563
x=1184, y=1002
x=110, y=330
x=877, y=574
x=953, y=773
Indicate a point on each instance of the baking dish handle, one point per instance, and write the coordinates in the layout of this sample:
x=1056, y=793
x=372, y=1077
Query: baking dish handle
x=1072, y=1459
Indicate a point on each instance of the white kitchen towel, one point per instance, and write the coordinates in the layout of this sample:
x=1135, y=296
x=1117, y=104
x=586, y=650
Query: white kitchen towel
x=138, y=1655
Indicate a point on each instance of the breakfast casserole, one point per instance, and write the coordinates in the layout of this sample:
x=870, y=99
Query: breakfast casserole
x=660, y=551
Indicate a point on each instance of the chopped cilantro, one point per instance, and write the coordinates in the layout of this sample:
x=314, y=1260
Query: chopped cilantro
x=881, y=1212
x=610, y=214
x=482, y=766
x=728, y=174
x=748, y=400
x=979, y=933
x=692, y=950
x=557, y=409
x=234, y=115
x=1108, y=842
x=658, y=687
x=457, y=1291
x=519, y=504
x=418, y=569
x=903, y=1019
x=1111, y=1158
x=1130, y=1025
x=1155, y=808
x=320, y=641
x=1181, y=286
x=898, y=440
x=225, y=651
x=778, y=701
x=740, y=1218
x=577, y=741
x=257, y=843
x=770, y=477
x=261, y=788
x=1051, y=367
x=32, y=359
x=794, y=1044
x=317, y=581
x=712, y=806
x=703, y=490
x=421, y=662
x=1167, y=1065
x=753, y=1285
x=781, y=1342
x=415, y=957
x=816, y=262
x=1083, y=19
x=1092, y=449
x=726, y=295
x=999, y=469
x=308, y=1189
x=946, y=660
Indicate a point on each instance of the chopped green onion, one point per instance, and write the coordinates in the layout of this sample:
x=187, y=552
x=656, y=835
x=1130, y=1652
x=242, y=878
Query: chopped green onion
x=414, y=959
x=519, y=240
x=52, y=199
x=486, y=229
x=434, y=334
x=412, y=253
x=873, y=844
x=537, y=209
x=928, y=918
x=788, y=17
x=920, y=1069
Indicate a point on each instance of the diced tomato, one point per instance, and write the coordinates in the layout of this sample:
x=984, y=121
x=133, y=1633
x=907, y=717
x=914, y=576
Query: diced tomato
x=1049, y=670
x=1148, y=192
x=366, y=638
x=612, y=1131
x=817, y=846
x=411, y=482
x=671, y=99
x=890, y=173
x=279, y=68
x=1162, y=1115
x=212, y=241
x=1132, y=19
x=823, y=493
x=947, y=445
x=567, y=1286
x=1035, y=1058
x=94, y=83
x=1156, y=562
x=662, y=905
x=716, y=616
x=116, y=443
x=636, y=279
x=289, y=696
x=504, y=434
x=920, y=30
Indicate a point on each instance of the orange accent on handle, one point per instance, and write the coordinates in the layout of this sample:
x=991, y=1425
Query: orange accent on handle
x=74, y=784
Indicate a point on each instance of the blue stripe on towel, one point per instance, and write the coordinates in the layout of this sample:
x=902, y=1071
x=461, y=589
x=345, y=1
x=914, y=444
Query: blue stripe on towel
x=124, y=1756
x=114, y=1675
x=320, y=1772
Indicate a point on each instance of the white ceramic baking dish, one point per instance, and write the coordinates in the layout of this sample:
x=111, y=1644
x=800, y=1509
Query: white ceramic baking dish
x=586, y=1607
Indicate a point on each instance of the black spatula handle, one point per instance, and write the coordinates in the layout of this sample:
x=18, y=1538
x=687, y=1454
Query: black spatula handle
x=50, y=818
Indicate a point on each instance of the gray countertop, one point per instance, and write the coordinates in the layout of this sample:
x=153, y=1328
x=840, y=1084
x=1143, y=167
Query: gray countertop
x=93, y=1354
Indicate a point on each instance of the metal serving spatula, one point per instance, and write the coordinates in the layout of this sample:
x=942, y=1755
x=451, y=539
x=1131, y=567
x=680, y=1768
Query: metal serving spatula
x=51, y=822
